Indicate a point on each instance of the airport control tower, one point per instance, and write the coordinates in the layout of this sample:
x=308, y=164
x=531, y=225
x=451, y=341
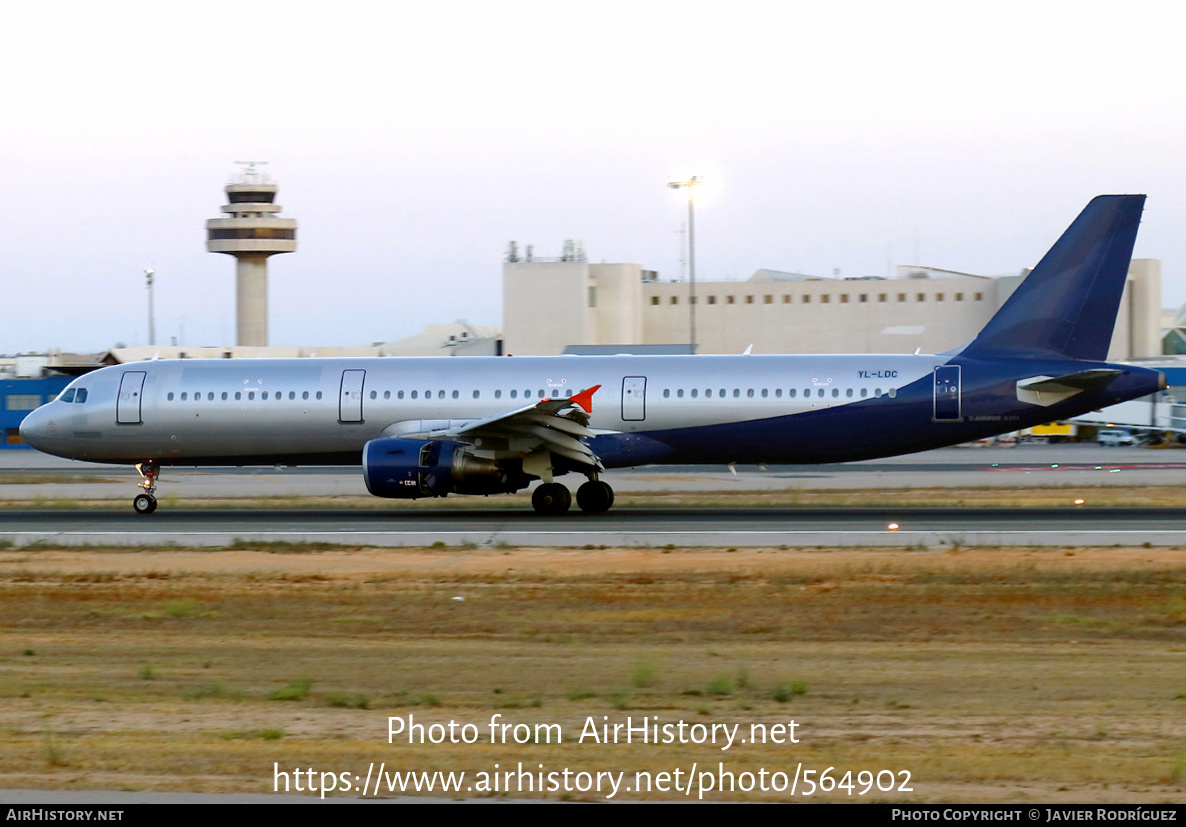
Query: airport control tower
x=251, y=232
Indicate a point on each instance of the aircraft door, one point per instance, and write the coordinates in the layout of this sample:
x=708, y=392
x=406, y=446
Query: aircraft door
x=131, y=391
x=947, y=394
x=634, y=398
x=350, y=400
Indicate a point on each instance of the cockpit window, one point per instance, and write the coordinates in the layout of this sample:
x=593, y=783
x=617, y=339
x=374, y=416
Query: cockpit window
x=80, y=397
x=68, y=396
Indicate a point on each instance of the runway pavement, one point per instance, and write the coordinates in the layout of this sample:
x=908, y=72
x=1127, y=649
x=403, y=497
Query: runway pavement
x=35, y=478
x=656, y=528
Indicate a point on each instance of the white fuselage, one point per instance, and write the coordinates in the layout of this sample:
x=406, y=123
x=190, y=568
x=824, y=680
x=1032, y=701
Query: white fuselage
x=291, y=408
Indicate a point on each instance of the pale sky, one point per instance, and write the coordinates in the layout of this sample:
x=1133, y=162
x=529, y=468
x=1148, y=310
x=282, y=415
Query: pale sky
x=412, y=141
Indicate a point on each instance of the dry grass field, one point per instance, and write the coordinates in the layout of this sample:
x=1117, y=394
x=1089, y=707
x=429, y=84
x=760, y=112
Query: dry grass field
x=990, y=675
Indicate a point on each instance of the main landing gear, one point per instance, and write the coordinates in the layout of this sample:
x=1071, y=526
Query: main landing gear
x=146, y=503
x=593, y=497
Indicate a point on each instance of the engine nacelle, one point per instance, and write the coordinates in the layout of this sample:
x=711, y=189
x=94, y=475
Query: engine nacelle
x=409, y=469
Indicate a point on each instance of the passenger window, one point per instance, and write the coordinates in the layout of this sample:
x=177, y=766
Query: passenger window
x=750, y=393
x=440, y=394
x=264, y=395
x=791, y=393
x=736, y=393
x=399, y=395
x=250, y=395
x=821, y=392
x=680, y=393
x=413, y=394
x=848, y=393
x=455, y=394
x=224, y=396
x=477, y=394
x=778, y=392
x=555, y=393
x=694, y=392
x=305, y=395
x=210, y=396
x=835, y=392
x=765, y=393
x=877, y=392
x=238, y=395
x=514, y=394
x=318, y=394
x=498, y=394
x=893, y=393
x=541, y=393
x=386, y=394
x=708, y=392
x=667, y=393
x=183, y=396
x=374, y=394
x=170, y=396
x=864, y=392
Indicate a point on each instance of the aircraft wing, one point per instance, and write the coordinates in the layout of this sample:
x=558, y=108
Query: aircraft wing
x=556, y=425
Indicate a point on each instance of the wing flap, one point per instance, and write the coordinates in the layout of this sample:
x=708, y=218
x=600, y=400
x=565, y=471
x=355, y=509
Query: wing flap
x=557, y=425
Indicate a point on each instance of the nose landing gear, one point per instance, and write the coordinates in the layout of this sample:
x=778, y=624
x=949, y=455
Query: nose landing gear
x=146, y=503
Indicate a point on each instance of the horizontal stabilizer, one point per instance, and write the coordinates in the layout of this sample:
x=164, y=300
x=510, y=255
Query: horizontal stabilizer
x=1049, y=390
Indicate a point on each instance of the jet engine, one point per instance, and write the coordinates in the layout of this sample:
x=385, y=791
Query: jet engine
x=409, y=469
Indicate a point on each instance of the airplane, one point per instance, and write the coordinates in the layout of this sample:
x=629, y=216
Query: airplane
x=430, y=427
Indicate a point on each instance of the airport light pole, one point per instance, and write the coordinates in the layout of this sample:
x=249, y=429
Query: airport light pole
x=148, y=274
x=690, y=184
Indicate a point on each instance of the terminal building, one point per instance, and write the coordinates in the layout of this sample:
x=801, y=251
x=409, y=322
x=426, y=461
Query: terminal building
x=551, y=306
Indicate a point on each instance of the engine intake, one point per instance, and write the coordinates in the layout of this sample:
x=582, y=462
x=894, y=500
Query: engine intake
x=409, y=469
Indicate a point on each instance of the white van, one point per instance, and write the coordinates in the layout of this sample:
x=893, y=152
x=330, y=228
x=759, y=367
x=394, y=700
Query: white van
x=1114, y=437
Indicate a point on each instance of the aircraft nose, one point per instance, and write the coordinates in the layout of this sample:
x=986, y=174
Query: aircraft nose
x=35, y=429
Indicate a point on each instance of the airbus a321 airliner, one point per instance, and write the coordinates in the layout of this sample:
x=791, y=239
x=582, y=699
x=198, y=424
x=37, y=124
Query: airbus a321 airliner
x=431, y=427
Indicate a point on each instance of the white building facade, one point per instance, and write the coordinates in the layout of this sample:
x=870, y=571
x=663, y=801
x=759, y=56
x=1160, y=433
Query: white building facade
x=551, y=305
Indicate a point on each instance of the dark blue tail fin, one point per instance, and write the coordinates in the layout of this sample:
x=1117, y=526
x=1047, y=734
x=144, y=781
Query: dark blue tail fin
x=1067, y=306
